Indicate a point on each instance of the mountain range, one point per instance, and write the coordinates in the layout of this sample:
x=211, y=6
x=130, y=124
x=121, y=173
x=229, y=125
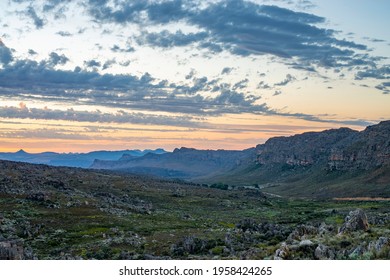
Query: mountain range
x=335, y=162
x=324, y=162
x=83, y=160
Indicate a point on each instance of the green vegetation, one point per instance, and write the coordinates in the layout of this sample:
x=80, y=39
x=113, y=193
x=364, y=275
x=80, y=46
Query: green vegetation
x=95, y=215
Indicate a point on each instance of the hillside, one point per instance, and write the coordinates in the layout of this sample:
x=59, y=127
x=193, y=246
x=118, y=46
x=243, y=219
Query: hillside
x=72, y=213
x=183, y=163
x=332, y=163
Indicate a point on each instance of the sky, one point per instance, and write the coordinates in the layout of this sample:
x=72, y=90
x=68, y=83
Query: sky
x=83, y=75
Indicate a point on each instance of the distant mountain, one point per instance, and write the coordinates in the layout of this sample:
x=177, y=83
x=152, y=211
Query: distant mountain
x=73, y=159
x=183, y=163
x=332, y=162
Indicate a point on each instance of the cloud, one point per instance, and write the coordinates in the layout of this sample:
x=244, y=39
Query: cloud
x=5, y=54
x=166, y=39
x=239, y=27
x=376, y=73
x=120, y=117
x=45, y=134
x=384, y=87
x=64, y=34
x=241, y=84
x=289, y=78
x=32, y=52
x=226, y=70
x=38, y=22
x=128, y=49
x=108, y=64
x=56, y=59
x=277, y=92
x=263, y=85
x=41, y=81
x=92, y=63
x=380, y=73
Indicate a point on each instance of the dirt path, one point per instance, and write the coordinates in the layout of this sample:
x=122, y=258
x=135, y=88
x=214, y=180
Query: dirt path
x=362, y=198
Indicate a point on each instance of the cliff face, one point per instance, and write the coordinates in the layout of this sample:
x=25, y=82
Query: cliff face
x=303, y=149
x=335, y=149
x=370, y=149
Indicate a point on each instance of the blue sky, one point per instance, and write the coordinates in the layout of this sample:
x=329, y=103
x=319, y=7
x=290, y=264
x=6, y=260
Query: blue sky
x=104, y=74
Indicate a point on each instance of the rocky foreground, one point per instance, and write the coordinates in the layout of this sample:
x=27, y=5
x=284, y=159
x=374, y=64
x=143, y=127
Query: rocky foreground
x=67, y=213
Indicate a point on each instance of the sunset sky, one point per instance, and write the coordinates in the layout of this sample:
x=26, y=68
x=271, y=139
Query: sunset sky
x=83, y=75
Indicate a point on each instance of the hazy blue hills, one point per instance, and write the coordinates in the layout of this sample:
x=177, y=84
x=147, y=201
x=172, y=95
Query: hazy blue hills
x=83, y=160
x=183, y=163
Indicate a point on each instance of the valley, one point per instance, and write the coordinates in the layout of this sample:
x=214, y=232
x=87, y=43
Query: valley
x=317, y=195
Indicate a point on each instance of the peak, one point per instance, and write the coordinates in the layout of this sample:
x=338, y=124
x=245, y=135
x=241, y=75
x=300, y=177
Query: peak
x=183, y=149
x=21, y=151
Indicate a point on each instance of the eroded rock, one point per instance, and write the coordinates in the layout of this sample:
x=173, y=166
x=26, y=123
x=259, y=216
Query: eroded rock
x=356, y=220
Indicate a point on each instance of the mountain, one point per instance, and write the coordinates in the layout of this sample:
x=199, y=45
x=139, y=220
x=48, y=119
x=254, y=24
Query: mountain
x=338, y=162
x=73, y=159
x=183, y=163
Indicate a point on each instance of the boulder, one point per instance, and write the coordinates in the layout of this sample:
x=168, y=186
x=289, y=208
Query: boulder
x=282, y=253
x=356, y=220
x=323, y=252
x=11, y=250
x=381, y=243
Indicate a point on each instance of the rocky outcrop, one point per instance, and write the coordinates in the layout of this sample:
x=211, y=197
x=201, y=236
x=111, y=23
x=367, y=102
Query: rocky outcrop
x=11, y=249
x=303, y=149
x=334, y=149
x=356, y=220
x=369, y=149
x=323, y=252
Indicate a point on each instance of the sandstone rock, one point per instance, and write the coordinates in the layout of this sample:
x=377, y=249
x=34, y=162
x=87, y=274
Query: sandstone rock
x=357, y=252
x=11, y=250
x=356, y=220
x=381, y=243
x=323, y=252
x=282, y=253
x=302, y=231
x=306, y=243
